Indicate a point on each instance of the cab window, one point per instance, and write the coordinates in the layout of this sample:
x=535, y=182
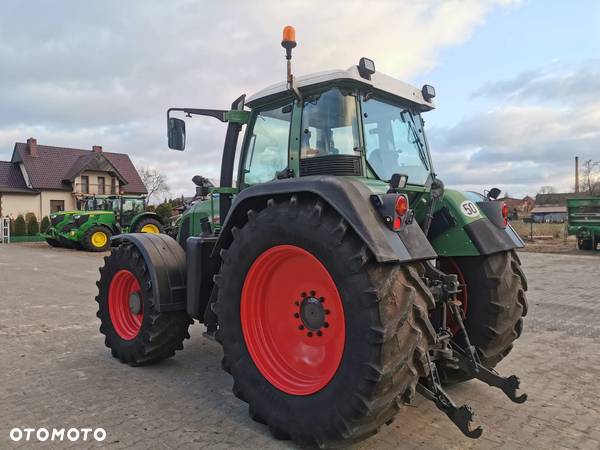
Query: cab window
x=394, y=141
x=330, y=125
x=267, y=147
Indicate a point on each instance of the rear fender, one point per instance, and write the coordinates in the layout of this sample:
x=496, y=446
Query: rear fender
x=165, y=260
x=461, y=227
x=351, y=199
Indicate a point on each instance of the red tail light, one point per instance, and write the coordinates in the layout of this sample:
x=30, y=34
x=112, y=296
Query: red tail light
x=401, y=205
x=505, y=213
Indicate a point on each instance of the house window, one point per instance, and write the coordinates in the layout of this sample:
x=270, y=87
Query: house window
x=101, y=188
x=113, y=186
x=57, y=205
x=85, y=184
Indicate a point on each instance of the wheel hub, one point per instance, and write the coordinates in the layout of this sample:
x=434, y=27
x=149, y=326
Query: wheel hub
x=135, y=303
x=312, y=313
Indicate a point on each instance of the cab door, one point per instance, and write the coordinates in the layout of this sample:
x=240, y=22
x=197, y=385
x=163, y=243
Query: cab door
x=266, y=146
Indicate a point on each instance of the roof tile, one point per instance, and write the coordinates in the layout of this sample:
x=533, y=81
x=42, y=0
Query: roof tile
x=54, y=164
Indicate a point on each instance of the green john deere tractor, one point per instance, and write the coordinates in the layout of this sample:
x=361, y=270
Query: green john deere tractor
x=100, y=218
x=339, y=276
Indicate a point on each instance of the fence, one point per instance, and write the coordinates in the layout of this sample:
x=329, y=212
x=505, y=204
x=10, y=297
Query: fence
x=530, y=230
x=7, y=238
x=4, y=230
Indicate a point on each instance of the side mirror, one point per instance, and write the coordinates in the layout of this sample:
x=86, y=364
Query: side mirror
x=176, y=133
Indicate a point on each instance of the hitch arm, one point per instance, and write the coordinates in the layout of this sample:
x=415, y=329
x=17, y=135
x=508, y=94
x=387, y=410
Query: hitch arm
x=462, y=416
x=508, y=385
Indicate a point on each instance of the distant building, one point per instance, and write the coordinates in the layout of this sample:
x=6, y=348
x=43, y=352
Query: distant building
x=521, y=205
x=557, y=198
x=42, y=179
x=549, y=214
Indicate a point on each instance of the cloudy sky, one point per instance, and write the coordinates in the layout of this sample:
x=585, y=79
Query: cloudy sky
x=518, y=82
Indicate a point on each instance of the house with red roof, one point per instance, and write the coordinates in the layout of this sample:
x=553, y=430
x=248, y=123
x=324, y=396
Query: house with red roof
x=43, y=179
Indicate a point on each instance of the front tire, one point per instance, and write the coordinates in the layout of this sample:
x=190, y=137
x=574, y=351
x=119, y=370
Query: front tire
x=323, y=342
x=97, y=239
x=53, y=242
x=134, y=330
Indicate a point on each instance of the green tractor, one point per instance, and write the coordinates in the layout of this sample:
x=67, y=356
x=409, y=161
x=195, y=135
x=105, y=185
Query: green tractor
x=100, y=218
x=339, y=276
x=584, y=221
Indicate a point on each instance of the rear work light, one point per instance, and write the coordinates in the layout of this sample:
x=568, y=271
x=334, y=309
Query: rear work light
x=401, y=205
x=505, y=213
x=401, y=208
x=394, y=209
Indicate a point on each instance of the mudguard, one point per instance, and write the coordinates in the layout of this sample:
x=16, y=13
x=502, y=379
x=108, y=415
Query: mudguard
x=165, y=260
x=462, y=226
x=350, y=198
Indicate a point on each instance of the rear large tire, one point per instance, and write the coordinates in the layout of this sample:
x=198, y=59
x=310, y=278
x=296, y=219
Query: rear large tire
x=495, y=286
x=134, y=330
x=323, y=342
x=585, y=244
x=148, y=225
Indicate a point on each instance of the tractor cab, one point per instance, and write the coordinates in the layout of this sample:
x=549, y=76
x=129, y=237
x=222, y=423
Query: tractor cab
x=342, y=126
x=125, y=208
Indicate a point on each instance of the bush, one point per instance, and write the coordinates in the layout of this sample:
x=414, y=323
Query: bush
x=45, y=224
x=20, y=228
x=28, y=217
x=164, y=210
x=33, y=227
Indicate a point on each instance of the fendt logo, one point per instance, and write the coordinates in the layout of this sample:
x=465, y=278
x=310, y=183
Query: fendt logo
x=57, y=434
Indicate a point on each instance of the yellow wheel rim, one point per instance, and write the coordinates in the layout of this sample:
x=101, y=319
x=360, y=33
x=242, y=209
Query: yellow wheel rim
x=99, y=239
x=150, y=228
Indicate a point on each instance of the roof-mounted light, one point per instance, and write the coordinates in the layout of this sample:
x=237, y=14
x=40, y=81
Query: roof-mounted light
x=366, y=68
x=428, y=92
x=288, y=40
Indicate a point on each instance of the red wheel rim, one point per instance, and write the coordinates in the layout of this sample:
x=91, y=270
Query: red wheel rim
x=293, y=320
x=448, y=265
x=125, y=322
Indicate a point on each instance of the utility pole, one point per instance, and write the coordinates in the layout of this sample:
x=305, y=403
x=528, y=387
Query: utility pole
x=577, y=174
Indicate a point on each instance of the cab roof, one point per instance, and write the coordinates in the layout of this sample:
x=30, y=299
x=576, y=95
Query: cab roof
x=379, y=82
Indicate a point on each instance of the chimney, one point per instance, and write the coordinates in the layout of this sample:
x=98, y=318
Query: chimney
x=32, y=146
x=97, y=149
x=576, y=174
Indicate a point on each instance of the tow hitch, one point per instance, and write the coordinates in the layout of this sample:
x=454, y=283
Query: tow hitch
x=461, y=416
x=448, y=353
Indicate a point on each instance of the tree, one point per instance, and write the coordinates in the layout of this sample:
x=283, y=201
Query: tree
x=547, y=190
x=164, y=210
x=20, y=228
x=155, y=182
x=45, y=224
x=33, y=227
x=590, y=177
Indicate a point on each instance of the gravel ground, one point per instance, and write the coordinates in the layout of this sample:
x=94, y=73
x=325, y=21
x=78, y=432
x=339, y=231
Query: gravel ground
x=56, y=373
